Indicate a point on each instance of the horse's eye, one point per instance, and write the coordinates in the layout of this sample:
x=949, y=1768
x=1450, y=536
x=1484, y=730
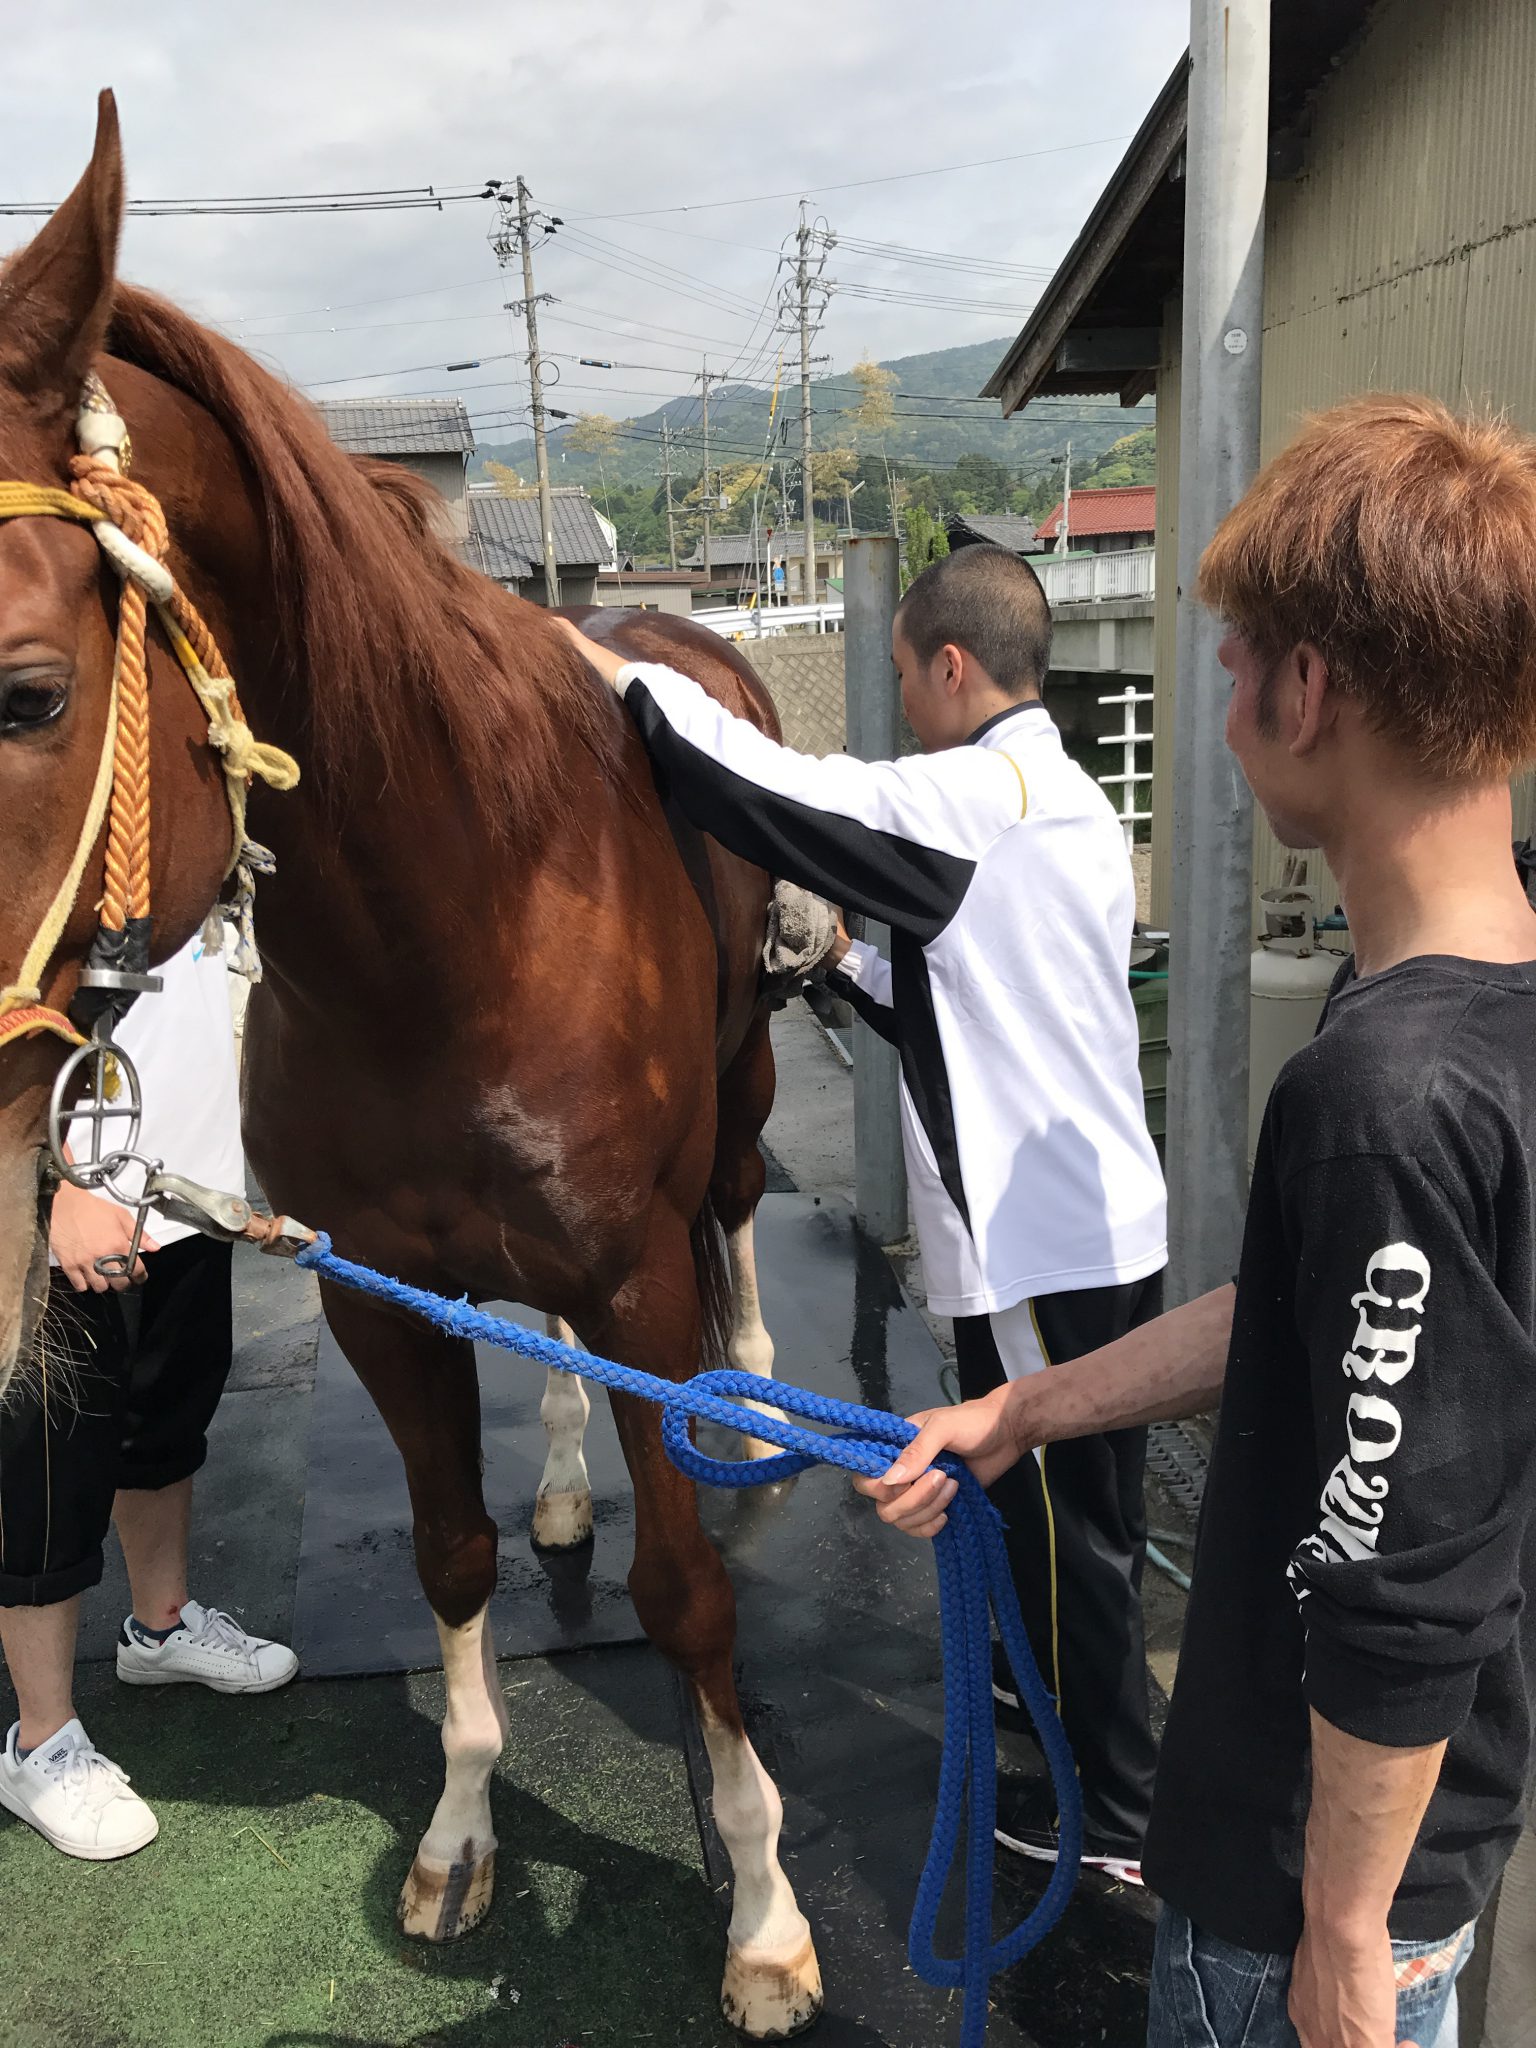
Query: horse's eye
x=29, y=700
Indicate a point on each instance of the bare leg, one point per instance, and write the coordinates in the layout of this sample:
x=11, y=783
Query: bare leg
x=39, y=1645
x=772, y=1984
x=562, y=1513
x=428, y=1394
x=155, y=1531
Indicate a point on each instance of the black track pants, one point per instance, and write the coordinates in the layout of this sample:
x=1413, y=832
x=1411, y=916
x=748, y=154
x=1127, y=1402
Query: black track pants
x=1076, y=1533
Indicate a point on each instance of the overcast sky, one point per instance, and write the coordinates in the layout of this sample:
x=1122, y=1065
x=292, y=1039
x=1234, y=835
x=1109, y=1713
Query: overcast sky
x=606, y=108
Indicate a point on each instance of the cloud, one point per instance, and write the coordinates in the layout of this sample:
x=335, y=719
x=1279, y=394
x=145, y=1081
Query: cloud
x=605, y=109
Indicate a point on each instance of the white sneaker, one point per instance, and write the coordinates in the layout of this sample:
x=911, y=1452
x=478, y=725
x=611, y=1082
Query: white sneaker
x=208, y=1648
x=74, y=1796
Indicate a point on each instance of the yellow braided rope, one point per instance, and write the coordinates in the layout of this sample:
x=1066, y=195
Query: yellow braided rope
x=26, y=990
x=122, y=773
x=43, y=501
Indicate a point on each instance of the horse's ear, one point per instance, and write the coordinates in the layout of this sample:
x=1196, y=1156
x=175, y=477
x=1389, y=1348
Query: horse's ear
x=56, y=293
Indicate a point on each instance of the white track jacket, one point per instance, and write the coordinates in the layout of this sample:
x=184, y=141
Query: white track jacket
x=1001, y=870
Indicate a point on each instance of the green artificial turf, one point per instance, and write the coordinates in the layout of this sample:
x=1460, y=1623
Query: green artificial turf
x=264, y=1915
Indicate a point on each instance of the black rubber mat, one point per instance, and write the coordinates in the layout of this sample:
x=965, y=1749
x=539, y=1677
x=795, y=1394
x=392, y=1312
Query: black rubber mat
x=359, y=1607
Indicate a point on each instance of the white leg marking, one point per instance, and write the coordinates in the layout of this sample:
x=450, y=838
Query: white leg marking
x=562, y=1513
x=772, y=1982
x=449, y=1887
x=750, y=1348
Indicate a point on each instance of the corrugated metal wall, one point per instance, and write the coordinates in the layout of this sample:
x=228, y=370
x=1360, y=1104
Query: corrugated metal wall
x=1402, y=258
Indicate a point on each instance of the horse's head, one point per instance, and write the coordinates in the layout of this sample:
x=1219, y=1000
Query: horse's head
x=58, y=615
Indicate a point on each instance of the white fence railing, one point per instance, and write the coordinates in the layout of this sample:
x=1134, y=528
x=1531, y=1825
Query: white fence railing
x=1130, y=777
x=1094, y=578
x=753, y=622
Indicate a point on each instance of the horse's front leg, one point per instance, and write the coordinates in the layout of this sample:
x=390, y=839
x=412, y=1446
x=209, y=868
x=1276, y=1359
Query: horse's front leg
x=426, y=1389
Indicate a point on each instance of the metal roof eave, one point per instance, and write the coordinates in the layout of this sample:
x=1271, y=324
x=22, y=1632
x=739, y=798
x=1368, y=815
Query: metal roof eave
x=1153, y=154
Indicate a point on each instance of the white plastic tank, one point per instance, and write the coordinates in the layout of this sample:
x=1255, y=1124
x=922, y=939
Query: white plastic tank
x=1287, y=987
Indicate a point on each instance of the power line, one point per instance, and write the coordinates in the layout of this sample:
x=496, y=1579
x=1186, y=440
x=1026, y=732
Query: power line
x=403, y=198
x=853, y=184
x=424, y=198
x=899, y=252
x=614, y=256
x=889, y=295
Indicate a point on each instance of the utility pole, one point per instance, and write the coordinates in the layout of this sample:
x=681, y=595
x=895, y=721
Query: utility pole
x=807, y=484
x=528, y=307
x=666, y=471
x=1212, y=926
x=1062, y=542
x=784, y=519
x=708, y=562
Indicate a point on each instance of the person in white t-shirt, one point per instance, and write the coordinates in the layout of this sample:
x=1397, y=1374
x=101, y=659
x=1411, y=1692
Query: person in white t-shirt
x=111, y=1426
x=1038, y=1201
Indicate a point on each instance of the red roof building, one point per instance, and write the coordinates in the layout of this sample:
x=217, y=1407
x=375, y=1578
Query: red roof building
x=1104, y=521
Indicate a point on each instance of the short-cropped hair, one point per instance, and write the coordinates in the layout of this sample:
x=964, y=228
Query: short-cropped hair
x=990, y=603
x=1399, y=539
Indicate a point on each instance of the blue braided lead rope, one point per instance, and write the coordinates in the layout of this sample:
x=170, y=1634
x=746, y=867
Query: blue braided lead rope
x=975, y=1585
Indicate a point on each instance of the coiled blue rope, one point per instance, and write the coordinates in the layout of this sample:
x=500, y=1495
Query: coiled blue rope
x=974, y=1583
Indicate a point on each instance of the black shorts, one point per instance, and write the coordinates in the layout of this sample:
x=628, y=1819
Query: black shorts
x=121, y=1396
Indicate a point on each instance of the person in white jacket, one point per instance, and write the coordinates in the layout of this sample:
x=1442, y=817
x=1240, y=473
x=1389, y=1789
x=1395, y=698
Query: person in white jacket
x=1037, y=1198
x=111, y=1428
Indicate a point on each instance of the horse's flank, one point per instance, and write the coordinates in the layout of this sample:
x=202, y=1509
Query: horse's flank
x=370, y=599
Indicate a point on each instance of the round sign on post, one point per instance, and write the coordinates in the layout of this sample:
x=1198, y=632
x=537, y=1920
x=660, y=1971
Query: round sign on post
x=1234, y=341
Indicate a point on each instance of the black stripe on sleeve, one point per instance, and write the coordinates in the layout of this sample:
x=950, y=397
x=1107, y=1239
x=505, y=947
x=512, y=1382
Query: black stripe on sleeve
x=922, y=1063
x=914, y=889
x=878, y=1016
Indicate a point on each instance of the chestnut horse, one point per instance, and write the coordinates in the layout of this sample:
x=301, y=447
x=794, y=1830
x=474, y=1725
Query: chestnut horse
x=510, y=1040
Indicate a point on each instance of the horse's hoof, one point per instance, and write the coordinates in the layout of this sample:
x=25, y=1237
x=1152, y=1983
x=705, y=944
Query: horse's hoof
x=441, y=1901
x=771, y=1994
x=562, y=1521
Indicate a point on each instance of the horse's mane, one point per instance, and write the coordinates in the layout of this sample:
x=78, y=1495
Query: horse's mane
x=370, y=604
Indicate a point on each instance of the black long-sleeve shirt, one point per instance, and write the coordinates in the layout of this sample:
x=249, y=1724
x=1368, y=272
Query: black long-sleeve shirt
x=1367, y=1537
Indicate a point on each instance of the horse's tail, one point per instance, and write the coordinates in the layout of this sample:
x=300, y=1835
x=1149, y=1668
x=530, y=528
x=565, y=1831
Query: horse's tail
x=711, y=1267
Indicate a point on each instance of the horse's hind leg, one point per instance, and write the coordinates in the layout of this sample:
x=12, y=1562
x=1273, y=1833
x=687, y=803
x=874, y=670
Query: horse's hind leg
x=562, y=1511
x=772, y=1985
x=424, y=1386
x=736, y=1188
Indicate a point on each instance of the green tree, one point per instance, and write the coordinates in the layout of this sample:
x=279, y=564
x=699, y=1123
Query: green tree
x=985, y=482
x=926, y=541
x=874, y=412
x=592, y=434
x=1131, y=460
x=832, y=475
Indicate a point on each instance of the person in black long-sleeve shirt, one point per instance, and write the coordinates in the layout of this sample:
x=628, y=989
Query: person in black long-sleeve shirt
x=1345, y=1762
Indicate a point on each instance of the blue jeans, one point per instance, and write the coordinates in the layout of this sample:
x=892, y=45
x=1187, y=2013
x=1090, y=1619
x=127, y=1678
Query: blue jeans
x=1208, y=1994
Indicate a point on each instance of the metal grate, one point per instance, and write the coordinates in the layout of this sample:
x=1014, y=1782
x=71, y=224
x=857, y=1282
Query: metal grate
x=1177, y=1457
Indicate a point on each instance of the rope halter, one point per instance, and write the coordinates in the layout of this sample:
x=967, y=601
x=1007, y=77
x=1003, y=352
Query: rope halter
x=130, y=528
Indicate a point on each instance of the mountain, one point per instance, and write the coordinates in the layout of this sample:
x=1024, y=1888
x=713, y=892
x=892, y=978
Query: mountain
x=936, y=420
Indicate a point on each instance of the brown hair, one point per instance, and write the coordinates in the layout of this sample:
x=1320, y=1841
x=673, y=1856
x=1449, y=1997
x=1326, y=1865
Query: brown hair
x=1400, y=541
x=372, y=599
